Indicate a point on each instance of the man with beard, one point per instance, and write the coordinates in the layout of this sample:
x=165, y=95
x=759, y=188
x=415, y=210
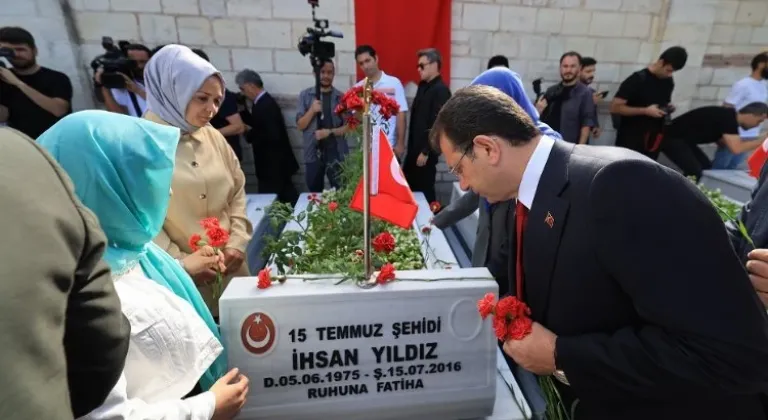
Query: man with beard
x=568, y=106
x=420, y=165
x=746, y=91
x=130, y=100
x=323, y=131
x=32, y=97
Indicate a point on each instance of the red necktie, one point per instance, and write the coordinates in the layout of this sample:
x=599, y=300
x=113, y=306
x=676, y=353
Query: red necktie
x=521, y=215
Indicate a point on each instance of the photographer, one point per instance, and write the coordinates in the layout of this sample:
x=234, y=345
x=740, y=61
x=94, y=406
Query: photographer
x=568, y=106
x=130, y=100
x=707, y=125
x=642, y=104
x=323, y=131
x=32, y=97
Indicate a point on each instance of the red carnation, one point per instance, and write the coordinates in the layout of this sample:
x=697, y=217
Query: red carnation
x=384, y=242
x=500, y=328
x=195, y=242
x=332, y=206
x=486, y=304
x=435, y=206
x=519, y=328
x=210, y=222
x=426, y=229
x=217, y=237
x=265, y=279
x=386, y=274
x=511, y=306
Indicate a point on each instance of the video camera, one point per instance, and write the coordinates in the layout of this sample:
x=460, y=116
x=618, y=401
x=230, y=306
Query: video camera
x=6, y=53
x=114, y=61
x=319, y=51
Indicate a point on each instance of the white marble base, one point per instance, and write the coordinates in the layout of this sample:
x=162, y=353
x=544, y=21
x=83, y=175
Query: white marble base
x=255, y=210
x=734, y=184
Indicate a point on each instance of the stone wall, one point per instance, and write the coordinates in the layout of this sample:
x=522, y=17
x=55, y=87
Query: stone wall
x=623, y=35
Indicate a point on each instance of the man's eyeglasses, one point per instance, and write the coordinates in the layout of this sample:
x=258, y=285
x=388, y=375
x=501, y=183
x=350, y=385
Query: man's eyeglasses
x=422, y=65
x=455, y=169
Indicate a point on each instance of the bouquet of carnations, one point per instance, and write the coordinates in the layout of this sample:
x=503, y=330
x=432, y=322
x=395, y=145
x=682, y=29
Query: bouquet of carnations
x=216, y=237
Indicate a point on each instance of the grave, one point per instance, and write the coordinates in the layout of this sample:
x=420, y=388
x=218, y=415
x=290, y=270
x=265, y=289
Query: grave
x=735, y=184
x=255, y=210
x=414, y=348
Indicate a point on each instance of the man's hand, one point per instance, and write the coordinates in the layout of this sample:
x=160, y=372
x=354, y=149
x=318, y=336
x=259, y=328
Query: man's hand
x=541, y=104
x=322, y=133
x=597, y=98
x=596, y=131
x=9, y=77
x=131, y=86
x=757, y=266
x=233, y=259
x=97, y=75
x=316, y=107
x=421, y=160
x=536, y=352
x=654, y=111
x=399, y=150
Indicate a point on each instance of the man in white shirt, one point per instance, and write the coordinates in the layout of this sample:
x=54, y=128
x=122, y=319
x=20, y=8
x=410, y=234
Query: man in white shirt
x=366, y=58
x=746, y=91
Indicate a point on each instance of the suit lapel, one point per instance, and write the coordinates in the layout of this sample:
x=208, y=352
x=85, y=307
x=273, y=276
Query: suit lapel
x=544, y=228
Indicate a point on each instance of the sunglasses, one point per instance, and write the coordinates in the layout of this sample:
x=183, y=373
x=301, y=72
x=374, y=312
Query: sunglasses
x=421, y=66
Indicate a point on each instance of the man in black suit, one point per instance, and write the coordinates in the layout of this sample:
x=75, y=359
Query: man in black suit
x=641, y=308
x=272, y=153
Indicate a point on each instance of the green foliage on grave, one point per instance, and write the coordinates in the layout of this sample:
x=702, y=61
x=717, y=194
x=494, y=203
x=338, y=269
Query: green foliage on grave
x=331, y=239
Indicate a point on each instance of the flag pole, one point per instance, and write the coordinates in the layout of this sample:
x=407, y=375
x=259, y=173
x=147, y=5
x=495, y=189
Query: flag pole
x=367, y=141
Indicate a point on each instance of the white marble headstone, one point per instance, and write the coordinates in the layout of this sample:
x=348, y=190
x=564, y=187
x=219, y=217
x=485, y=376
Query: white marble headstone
x=408, y=349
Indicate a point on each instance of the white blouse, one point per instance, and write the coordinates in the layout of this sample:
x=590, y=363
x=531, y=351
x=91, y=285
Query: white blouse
x=170, y=348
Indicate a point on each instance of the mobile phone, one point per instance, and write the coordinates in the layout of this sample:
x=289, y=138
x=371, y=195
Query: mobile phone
x=604, y=93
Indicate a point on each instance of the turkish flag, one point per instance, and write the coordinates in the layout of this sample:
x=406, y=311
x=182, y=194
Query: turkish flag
x=391, y=197
x=398, y=29
x=757, y=159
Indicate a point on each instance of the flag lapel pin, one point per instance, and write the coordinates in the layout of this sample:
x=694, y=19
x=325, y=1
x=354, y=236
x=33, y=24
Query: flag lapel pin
x=549, y=220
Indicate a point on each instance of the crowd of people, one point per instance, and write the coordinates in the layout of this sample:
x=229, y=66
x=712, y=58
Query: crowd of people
x=645, y=306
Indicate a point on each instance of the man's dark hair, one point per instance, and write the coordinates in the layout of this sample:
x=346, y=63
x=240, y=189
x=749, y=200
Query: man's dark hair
x=759, y=59
x=571, y=54
x=365, y=49
x=498, y=61
x=588, y=61
x=17, y=36
x=138, y=47
x=481, y=110
x=755, y=108
x=433, y=55
x=201, y=53
x=675, y=56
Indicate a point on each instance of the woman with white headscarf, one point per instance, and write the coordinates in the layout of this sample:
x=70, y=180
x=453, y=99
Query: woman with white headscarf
x=185, y=91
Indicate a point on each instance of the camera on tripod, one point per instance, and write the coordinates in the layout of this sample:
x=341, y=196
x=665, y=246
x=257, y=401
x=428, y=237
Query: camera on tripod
x=6, y=53
x=311, y=43
x=114, y=61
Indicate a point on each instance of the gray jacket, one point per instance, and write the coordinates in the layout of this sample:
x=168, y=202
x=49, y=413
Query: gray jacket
x=577, y=111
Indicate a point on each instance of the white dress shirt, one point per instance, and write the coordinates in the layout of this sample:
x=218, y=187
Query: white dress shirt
x=170, y=348
x=532, y=173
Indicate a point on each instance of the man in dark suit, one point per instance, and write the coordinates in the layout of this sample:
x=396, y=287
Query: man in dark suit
x=420, y=166
x=632, y=321
x=63, y=337
x=272, y=153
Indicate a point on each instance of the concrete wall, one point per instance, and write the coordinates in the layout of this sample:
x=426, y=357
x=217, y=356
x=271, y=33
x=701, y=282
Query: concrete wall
x=623, y=35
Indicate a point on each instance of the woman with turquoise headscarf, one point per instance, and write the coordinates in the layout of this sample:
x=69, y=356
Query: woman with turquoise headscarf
x=121, y=168
x=510, y=83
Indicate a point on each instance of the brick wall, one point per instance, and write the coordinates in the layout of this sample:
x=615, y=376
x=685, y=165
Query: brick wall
x=623, y=35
